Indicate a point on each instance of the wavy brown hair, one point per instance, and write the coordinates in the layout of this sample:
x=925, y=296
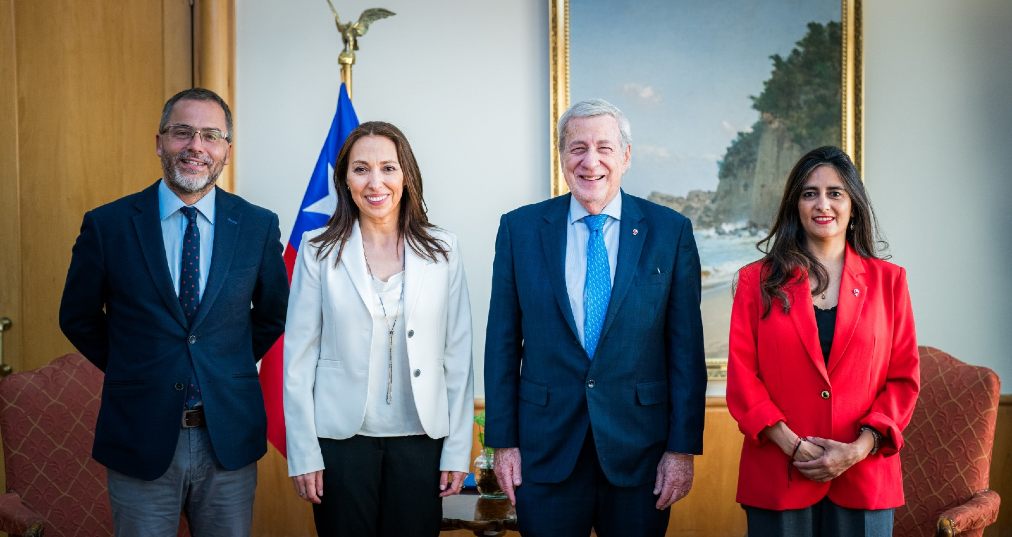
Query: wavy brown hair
x=784, y=246
x=414, y=224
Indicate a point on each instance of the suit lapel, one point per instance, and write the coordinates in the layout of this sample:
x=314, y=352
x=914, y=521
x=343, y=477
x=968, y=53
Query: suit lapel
x=353, y=261
x=803, y=315
x=227, y=223
x=853, y=292
x=149, y=235
x=630, y=247
x=553, y=244
x=415, y=271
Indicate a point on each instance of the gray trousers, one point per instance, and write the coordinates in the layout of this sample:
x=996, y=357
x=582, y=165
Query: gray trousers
x=217, y=502
x=824, y=519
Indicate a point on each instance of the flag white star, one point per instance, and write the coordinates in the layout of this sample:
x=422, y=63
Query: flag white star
x=327, y=204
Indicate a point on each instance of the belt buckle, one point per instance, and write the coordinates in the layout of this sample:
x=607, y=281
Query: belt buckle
x=192, y=418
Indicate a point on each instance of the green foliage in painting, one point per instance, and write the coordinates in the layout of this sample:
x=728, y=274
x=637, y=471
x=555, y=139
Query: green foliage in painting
x=804, y=89
x=802, y=94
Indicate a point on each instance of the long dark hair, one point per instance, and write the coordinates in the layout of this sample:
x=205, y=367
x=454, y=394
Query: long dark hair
x=414, y=222
x=785, y=245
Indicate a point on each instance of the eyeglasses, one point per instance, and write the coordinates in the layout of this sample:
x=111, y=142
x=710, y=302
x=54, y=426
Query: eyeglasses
x=185, y=133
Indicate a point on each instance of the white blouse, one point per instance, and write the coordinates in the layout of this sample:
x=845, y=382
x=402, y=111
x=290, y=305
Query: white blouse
x=399, y=417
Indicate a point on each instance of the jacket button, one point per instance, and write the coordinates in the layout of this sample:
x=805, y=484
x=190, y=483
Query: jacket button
x=411, y=333
x=591, y=384
x=178, y=386
x=825, y=394
x=418, y=373
x=192, y=339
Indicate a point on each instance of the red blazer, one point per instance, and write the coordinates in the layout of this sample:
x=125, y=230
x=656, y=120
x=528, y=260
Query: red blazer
x=776, y=372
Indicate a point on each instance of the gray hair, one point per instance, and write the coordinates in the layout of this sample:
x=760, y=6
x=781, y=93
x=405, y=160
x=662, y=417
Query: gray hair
x=196, y=94
x=594, y=108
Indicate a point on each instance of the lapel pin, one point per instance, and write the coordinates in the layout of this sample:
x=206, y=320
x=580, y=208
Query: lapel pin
x=232, y=221
x=856, y=292
x=636, y=231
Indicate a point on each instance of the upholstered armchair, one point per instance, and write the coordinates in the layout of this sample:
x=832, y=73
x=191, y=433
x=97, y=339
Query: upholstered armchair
x=47, y=423
x=947, y=457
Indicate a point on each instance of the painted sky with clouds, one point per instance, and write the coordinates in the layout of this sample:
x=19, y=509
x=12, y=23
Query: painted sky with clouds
x=682, y=70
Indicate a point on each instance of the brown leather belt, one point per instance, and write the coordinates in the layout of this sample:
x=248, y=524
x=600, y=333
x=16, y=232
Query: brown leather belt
x=193, y=418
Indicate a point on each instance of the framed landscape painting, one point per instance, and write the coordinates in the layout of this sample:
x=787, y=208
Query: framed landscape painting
x=723, y=98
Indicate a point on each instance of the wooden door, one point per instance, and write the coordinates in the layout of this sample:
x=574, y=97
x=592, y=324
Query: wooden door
x=82, y=84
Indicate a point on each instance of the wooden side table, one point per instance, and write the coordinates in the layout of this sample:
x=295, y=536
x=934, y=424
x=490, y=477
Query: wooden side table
x=485, y=517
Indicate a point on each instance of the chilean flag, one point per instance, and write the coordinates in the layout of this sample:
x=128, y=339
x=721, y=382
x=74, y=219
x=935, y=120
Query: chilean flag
x=318, y=205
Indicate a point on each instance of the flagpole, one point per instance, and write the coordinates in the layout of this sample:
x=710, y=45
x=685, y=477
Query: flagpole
x=350, y=32
x=346, y=76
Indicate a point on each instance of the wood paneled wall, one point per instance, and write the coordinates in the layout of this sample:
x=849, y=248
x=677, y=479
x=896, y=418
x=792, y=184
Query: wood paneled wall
x=214, y=62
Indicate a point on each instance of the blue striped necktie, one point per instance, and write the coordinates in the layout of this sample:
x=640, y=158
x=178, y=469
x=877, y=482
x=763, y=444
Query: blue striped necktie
x=597, y=287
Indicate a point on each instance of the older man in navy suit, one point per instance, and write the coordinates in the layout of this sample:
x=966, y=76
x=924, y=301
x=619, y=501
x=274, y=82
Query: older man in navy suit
x=594, y=371
x=175, y=292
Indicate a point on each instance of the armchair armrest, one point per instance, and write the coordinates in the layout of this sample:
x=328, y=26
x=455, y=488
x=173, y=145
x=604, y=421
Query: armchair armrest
x=16, y=518
x=980, y=511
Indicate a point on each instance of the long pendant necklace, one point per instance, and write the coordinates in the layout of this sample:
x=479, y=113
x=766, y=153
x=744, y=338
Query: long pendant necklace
x=390, y=327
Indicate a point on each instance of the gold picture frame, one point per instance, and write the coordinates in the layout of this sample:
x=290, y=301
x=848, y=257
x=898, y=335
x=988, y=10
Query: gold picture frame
x=852, y=98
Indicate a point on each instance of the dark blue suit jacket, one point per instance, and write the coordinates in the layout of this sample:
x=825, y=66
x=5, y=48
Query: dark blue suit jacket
x=643, y=393
x=121, y=311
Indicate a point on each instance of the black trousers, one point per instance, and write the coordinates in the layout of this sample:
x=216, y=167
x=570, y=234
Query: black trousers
x=586, y=499
x=824, y=519
x=380, y=487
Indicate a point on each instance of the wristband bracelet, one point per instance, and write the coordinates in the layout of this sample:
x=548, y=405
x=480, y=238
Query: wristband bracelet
x=797, y=447
x=876, y=437
x=790, y=461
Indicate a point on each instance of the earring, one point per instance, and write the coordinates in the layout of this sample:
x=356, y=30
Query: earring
x=852, y=226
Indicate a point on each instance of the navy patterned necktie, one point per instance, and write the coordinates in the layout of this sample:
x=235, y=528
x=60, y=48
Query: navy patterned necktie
x=189, y=288
x=189, y=274
x=597, y=287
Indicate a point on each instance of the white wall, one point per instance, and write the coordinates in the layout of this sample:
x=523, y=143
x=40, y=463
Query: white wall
x=465, y=80
x=468, y=83
x=938, y=159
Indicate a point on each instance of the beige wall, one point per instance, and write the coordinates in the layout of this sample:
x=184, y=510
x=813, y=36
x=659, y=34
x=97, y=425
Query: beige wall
x=938, y=151
x=465, y=80
x=939, y=165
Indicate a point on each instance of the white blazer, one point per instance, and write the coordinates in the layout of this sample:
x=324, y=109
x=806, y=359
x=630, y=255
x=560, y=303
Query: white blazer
x=328, y=338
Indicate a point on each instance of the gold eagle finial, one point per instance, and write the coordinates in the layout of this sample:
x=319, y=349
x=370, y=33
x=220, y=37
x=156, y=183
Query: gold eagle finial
x=351, y=31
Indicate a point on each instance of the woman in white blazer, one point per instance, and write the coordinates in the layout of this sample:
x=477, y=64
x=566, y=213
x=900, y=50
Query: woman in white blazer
x=378, y=376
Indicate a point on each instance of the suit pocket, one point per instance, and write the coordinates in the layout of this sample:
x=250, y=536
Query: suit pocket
x=242, y=278
x=328, y=363
x=533, y=393
x=652, y=393
x=653, y=276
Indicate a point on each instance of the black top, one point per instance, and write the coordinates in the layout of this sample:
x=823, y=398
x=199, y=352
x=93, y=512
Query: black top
x=826, y=321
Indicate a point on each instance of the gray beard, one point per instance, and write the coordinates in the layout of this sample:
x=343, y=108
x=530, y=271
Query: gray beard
x=186, y=183
x=190, y=184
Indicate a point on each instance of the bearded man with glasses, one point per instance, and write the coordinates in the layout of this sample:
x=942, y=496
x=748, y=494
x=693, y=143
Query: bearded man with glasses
x=175, y=292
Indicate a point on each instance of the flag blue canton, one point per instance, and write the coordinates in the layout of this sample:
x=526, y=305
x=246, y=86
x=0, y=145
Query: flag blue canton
x=320, y=183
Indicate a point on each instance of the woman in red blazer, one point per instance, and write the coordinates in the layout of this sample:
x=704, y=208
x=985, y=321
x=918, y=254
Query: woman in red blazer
x=823, y=365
